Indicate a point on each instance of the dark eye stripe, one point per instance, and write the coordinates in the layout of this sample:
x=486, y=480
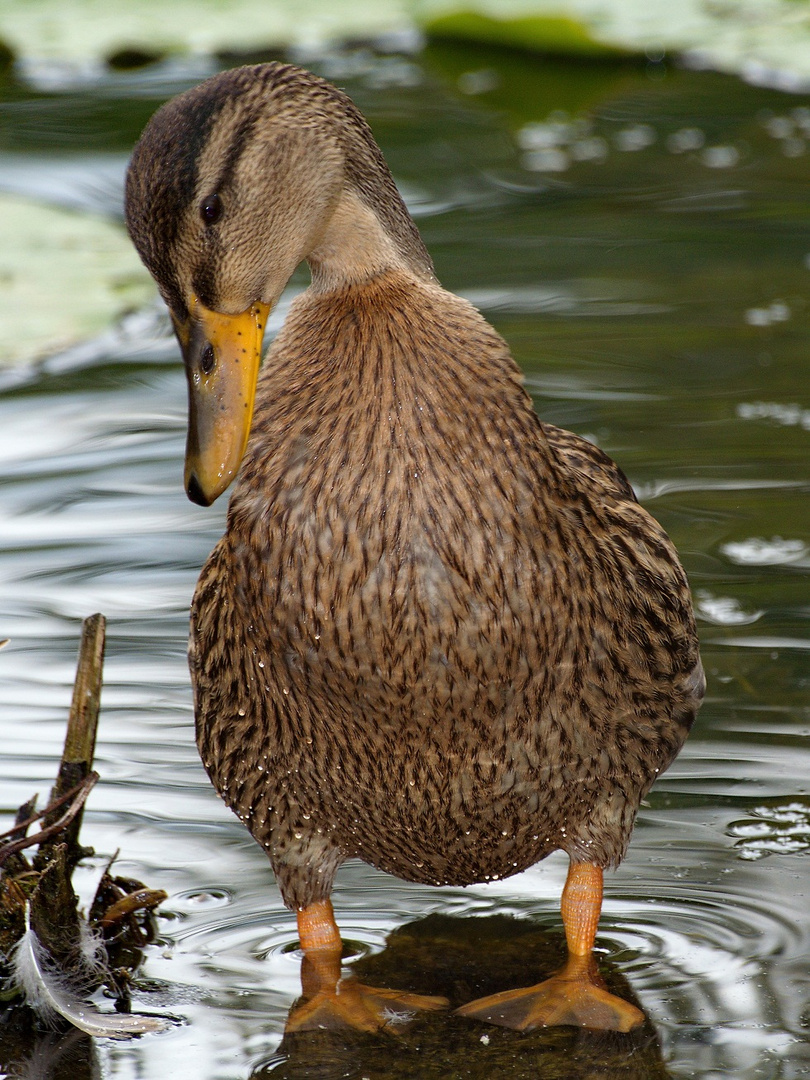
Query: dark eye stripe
x=239, y=138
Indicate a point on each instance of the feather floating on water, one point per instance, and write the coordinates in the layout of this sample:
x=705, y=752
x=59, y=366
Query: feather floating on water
x=50, y=993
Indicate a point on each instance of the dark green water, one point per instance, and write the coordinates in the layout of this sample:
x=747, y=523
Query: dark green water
x=641, y=238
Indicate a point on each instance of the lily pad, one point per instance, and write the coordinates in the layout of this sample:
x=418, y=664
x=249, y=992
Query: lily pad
x=558, y=34
x=65, y=276
x=94, y=29
x=764, y=42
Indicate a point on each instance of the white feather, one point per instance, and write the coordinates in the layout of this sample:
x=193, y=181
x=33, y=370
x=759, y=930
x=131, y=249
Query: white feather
x=51, y=994
x=92, y=950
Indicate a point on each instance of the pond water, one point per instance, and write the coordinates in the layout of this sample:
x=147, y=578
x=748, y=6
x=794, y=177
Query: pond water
x=640, y=237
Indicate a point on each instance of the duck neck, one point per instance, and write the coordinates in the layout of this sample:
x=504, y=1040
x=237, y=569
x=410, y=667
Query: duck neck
x=356, y=246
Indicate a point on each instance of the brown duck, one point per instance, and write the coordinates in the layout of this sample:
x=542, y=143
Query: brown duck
x=438, y=635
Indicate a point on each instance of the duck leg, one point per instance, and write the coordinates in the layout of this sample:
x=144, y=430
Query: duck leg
x=330, y=1001
x=575, y=994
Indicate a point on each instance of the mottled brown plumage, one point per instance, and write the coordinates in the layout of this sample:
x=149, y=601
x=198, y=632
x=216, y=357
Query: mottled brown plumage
x=438, y=634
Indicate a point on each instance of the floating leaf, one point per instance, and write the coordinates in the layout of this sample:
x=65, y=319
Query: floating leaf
x=65, y=277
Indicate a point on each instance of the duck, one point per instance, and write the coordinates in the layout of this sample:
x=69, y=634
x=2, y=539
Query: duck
x=439, y=634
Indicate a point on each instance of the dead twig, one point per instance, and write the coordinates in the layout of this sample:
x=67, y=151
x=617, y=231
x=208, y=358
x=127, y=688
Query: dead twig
x=140, y=900
x=22, y=824
x=80, y=740
x=78, y=794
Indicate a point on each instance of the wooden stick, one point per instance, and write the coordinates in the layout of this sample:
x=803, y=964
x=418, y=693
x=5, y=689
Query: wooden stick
x=80, y=740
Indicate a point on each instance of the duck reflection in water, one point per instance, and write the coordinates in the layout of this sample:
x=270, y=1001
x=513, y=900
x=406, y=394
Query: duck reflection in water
x=461, y=958
x=438, y=635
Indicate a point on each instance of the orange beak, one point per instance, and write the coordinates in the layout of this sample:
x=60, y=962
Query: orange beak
x=222, y=355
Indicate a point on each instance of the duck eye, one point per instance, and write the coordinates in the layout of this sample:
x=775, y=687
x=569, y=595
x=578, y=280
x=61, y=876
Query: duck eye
x=211, y=209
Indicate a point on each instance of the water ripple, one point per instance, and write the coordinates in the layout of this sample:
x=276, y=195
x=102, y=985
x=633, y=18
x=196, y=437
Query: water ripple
x=772, y=830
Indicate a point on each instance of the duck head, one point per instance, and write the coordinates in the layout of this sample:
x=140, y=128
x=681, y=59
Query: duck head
x=231, y=186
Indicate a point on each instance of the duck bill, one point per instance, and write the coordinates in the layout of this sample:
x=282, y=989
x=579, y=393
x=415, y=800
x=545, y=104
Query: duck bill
x=222, y=354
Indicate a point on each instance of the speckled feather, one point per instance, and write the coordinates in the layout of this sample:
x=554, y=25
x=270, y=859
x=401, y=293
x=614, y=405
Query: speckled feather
x=438, y=634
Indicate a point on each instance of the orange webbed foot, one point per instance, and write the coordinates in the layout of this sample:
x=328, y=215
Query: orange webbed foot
x=575, y=994
x=331, y=1002
x=352, y=1004
x=572, y=996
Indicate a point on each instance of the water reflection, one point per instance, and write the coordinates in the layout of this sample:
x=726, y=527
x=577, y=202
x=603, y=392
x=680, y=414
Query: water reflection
x=27, y=1054
x=624, y=285
x=462, y=959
